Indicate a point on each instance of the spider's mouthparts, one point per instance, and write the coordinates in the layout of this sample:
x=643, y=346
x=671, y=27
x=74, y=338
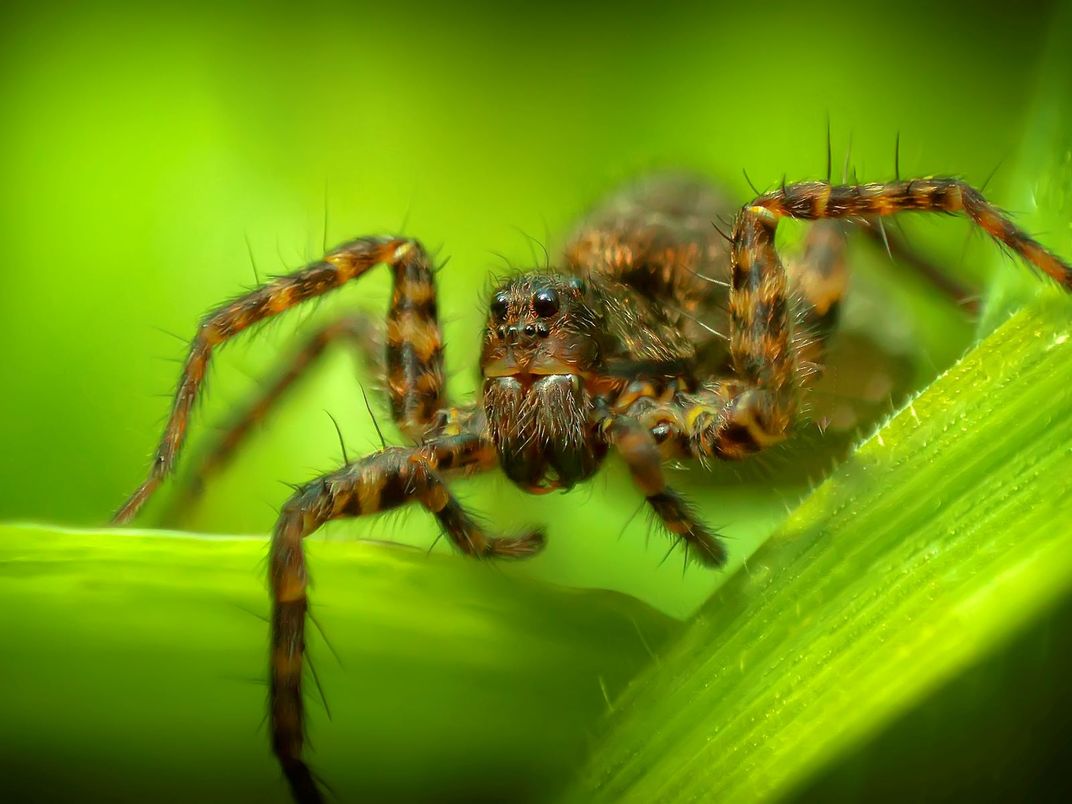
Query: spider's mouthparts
x=540, y=367
x=540, y=427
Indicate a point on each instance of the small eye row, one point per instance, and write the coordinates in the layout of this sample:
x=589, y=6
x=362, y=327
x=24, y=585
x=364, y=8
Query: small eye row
x=529, y=329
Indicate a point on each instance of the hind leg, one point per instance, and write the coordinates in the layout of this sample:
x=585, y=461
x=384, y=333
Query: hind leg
x=356, y=330
x=818, y=279
x=899, y=250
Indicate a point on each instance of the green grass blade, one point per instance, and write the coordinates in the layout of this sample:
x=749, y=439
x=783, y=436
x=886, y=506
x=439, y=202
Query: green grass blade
x=943, y=535
x=134, y=670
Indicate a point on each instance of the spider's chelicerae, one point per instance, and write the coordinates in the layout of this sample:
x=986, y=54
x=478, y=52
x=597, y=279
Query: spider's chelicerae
x=620, y=350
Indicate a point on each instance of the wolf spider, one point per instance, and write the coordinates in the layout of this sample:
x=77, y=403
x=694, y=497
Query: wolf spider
x=620, y=350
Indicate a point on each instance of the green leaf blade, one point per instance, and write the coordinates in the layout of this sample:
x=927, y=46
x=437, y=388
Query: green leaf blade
x=946, y=531
x=137, y=662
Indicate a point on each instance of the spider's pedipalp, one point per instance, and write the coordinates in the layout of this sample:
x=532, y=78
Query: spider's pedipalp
x=638, y=448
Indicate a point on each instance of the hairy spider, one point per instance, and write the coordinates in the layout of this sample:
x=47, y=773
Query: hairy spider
x=622, y=350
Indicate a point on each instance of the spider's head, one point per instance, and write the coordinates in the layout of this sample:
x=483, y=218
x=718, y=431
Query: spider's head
x=540, y=324
x=541, y=345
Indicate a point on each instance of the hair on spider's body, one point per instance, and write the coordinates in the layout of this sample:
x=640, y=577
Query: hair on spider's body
x=659, y=338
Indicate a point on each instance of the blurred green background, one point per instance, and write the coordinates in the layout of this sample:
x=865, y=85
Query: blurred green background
x=141, y=148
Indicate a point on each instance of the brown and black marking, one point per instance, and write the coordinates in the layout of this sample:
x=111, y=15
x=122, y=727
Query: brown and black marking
x=662, y=340
x=816, y=200
x=414, y=344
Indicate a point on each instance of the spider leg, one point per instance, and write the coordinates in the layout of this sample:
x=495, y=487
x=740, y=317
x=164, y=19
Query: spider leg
x=761, y=348
x=898, y=247
x=818, y=279
x=414, y=352
x=357, y=329
x=816, y=200
x=820, y=276
x=382, y=481
x=638, y=448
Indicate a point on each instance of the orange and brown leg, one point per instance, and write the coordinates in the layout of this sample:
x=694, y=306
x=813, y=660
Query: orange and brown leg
x=635, y=443
x=761, y=405
x=414, y=350
x=357, y=330
x=816, y=200
x=818, y=278
x=733, y=418
x=761, y=411
x=380, y=482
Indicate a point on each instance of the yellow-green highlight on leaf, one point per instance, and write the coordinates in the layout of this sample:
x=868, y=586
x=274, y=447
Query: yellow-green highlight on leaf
x=944, y=534
x=134, y=670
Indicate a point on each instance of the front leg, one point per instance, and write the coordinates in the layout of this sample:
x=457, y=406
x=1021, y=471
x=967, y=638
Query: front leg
x=765, y=358
x=380, y=482
x=414, y=348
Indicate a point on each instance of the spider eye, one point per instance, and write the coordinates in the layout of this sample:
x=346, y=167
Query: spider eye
x=576, y=283
x=498, y=306
x=545, y=303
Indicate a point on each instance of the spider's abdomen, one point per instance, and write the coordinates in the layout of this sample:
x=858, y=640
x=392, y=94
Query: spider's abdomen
x=541, y=428
x=657, y=239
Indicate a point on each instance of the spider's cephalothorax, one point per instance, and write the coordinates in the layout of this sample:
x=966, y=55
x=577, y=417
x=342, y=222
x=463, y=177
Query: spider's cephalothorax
x=659, y=340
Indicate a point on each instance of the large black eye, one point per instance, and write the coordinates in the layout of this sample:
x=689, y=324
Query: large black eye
x=545, y=303
x=498, y=306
